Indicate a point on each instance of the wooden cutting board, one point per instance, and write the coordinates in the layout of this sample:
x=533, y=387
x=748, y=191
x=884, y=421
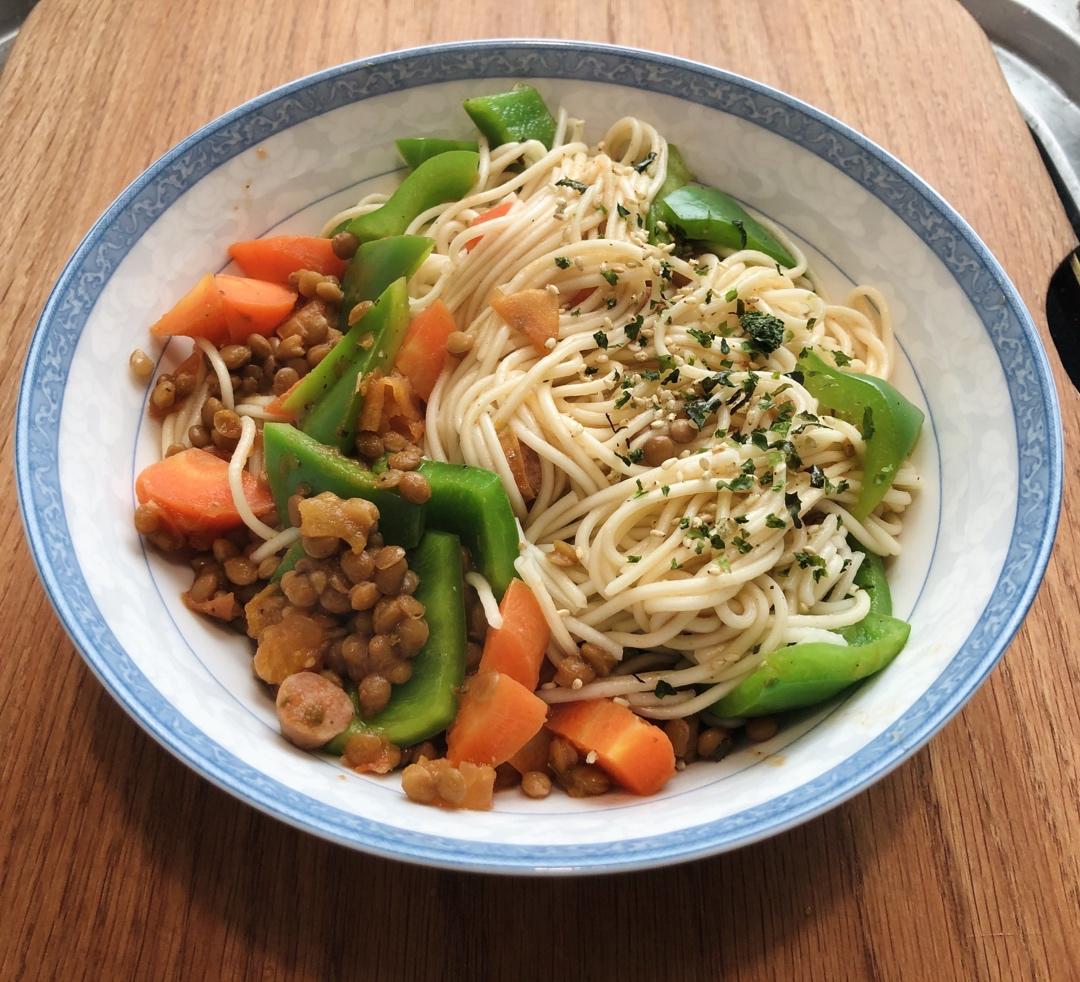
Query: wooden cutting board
x=118, y=862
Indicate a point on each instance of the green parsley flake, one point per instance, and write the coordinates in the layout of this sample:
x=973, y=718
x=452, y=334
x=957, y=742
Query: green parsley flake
x=562, y=262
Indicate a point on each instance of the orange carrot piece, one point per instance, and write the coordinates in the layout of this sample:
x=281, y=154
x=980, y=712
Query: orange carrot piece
x=423, y=351
x=497, y=212
x=533, y=312
x=200, y=313
x=496, y=717
x=277, y=404
x=278, y=256
x=534, y=755
x=191, y=489
x=635, y=753
x=227, y=308
x=517, y=648
x=253, y=306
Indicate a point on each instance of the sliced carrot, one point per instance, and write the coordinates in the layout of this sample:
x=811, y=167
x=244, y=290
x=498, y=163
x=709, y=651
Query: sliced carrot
x=278, y=256
x=524, y=464
x=200, y=313
x=191, y=489
x=533, y=312
x=534, y=755
x=497, y=212
x=227, y=308
x=423, y=351
x=517, y=648
x=277, y=404
x=252, y=306
x=635, y=753
x=496, y=717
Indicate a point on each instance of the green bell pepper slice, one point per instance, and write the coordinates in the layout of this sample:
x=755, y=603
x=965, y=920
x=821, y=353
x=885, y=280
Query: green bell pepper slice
x=348, y=358
x=678, y=173
x=513, y=117
x=805, y=674
x=376, y=265
x=332, y=417
x=439, y=179
x=292, y=556
x=427, y=703
x=294, y=460
x=704, y=214
x=890, y=425
x=415, y=150
x=471, y=503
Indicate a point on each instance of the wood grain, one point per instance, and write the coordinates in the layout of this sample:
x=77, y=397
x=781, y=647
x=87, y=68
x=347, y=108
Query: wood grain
x=116, y=862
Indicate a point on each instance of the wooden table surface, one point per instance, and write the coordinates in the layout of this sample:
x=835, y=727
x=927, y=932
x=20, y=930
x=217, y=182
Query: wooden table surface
x=117, y=862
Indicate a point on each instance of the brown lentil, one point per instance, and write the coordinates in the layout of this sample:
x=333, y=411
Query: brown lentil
x=562, y=755
x=329, y=291
x=418, y=784
x=298, y=589
x=394, y=442
x=357, y=313
x=357, y=566
x=450, y=786
x=235, y=356
x=373, y=693
x=414, y=487
x=199, y=435
x=317, y=354
x=259, y=347
x=536, y=784
x=412, y=635
x=364, y=596
x=387, y=615
x=458, y=343
x=319, y=546
x=205, y=586
x=678, y=732
x=334, y=601
x=407, y=459
x=389, y=580
x=284, y=379
x=306, y=281
x=399, y=673
x=714, y=742
x=241, y=571
x=363, y=748
x=268, y=567
x=761, y=728
x=344, y=245
x=185, y=383
x=210, y=409
x=659, y=448
x=409, y=583
x=164, y=394
x=682, y=431
x=369, y=445
x=572, y=669
x=223, y=549
x=294, y=509
x=585, y=781
x=227, y=423
x=291, y=347
x=141, y=364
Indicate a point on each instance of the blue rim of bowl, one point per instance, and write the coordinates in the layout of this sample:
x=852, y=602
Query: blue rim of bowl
x=1034, y=399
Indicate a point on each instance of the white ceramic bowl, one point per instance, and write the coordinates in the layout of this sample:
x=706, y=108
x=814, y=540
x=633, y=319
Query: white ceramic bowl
x=976, y=542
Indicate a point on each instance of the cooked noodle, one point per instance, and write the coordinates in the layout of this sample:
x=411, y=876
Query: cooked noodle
x=707, y=571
